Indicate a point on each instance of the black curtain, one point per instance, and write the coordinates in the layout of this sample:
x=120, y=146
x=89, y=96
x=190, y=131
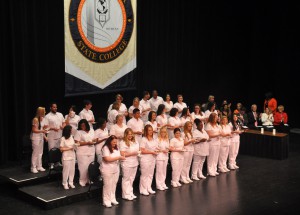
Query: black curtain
x=233, y=50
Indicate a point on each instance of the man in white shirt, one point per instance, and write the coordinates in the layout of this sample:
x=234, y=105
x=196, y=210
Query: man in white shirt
x=137, y=125
x=155, y=101
x=87, y=114
x=146, y=106
x=180, y=104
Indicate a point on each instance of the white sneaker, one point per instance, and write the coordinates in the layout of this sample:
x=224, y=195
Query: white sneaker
x=144, y=193
x=174, y=184
x=72, y=186
x=226, y=169
x=184, y=181
x=130, y=198
x=222, y=170
x=217, y=173
x=189, y=180
x=66, y=187
x=107, y=205
x=178, y=184
x=82, y=184
x=115, y=202
x=34, y=170
x=235, y=166
x=195, y=178
x=165, y=187
x=202, y=177
x=151, y=191
x=231, y=167
x=41, y=169
x=134, y=196
x=160, y=188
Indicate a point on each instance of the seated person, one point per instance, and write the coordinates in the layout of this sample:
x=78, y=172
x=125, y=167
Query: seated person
x=267, y=118
x=281, y=120
x=242, y=117
x=253, y=117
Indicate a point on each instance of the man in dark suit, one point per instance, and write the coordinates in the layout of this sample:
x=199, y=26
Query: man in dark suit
x=253, y=117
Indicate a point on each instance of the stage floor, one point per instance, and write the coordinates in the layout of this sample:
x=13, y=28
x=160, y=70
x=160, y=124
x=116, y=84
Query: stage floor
x=260, y=186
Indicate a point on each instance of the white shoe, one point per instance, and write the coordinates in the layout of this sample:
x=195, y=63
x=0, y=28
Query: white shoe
x=72, y=186
x=165, y=187
x=144, y=193
x=151, y=191
x=41, y=169
x=231, y=167
x=235, y=166
x=226, y=169
x=213, y=174
x=178, y=184
x=222, y=170
x=115, y=202
x=174, y=184
x=107, y=205
x=195, y=178
x=184, y=181
x=66, y=187
x=160, y=188
x=202, y=177
x=217, y=173
x=189, y=180
x=82, y=184
x=130, y=198
x=134, y=196
x=34, y=170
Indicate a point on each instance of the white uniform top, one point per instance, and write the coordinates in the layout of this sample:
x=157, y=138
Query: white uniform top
x=122, y=110
x=267, y=119
x=88, y=115
x=235, y=137
x=162, y=120
x=38, y=136
x=131, y=161
x=168, y=107
x=163, y=145
x=180, y=106
x=207, y=113
x=132, y=108
x=184, y=120
x=189, y=147
x=149, y=145
x=154, y=103
x=177, y=144
x=70, y=154
x=101, y=134
x=118, y=131
x=215, y=130
x=173, y=121
x=198, y=116
x=86, y=137
x=111, y=118
x=55, y=120
x=112, y=166
x=154, y=126
x=225, y=141
x=145, y=105
x=202, y=148
x=73, y=122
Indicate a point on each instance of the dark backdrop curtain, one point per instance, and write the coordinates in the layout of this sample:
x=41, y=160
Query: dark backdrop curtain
x=234, y=50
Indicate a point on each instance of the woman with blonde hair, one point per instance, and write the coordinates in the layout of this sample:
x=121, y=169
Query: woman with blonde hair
x=225, y=143
x=118, y=128
x=37, y=136
x=188, y=152
x=129, y=148
x=162, y=159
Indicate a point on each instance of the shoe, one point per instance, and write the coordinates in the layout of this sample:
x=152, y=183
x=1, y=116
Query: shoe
x=174, y=184
x=202, y=176
x=130, y=198
x=226, y=169
x=144, y=193
x=72, y=186
x=189, y=180
x=184, y=181
x=134, y=196
x=82, y=184
x=58, y=164
x=151, y=191
x=195, y=178
x=115, y=202
x=52, y=166
x=213, y=175
x=41, y=169
x=231, y=167
x=160, y=188
x=235, y=166
x=217, y=173
x=178, y=184
x=66, y=187
x=222, y=170
x=34, y=170
x=165, y=187
x=107, y=205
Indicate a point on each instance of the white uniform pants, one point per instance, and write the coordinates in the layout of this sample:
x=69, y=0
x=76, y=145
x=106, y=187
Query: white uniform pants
x=187, y=161
x=83, y=164
x=68, y=171
x=177, y=165
x=224, y=151
x=233, y=152
x=198, y=165
x=37, y=153
x=212, y=159
x=128, y=177
x=161, y=173
x=110, y=181
x=147, y=172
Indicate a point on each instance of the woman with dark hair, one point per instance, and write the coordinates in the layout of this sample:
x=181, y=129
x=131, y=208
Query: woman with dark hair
x=101, y=134
x=174, y=122
x=149, y=150
x=270, y=102
x=176, y=148
x=213, y=130
x=152, y=121
x=130, y=149
x=72, y=119
x=235, y=142
x=85, y=152
x=87, y=114
x=201, y=150
x=198, y=114
x=162, y=118
x=185, y=116
x=168, y=105
x=110, y=170
x=211, y=108
x=67, y=145
x=180, y=104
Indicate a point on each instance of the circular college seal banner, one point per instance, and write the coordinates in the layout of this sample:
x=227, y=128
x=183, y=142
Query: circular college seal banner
x=100, y=40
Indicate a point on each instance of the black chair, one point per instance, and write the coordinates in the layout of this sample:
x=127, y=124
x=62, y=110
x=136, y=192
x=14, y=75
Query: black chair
x=54, y=158
x=94, y=174
x=26, y=150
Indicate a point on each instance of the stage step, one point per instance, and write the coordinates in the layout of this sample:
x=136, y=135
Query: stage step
x=52, y=195
x=21, y=176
